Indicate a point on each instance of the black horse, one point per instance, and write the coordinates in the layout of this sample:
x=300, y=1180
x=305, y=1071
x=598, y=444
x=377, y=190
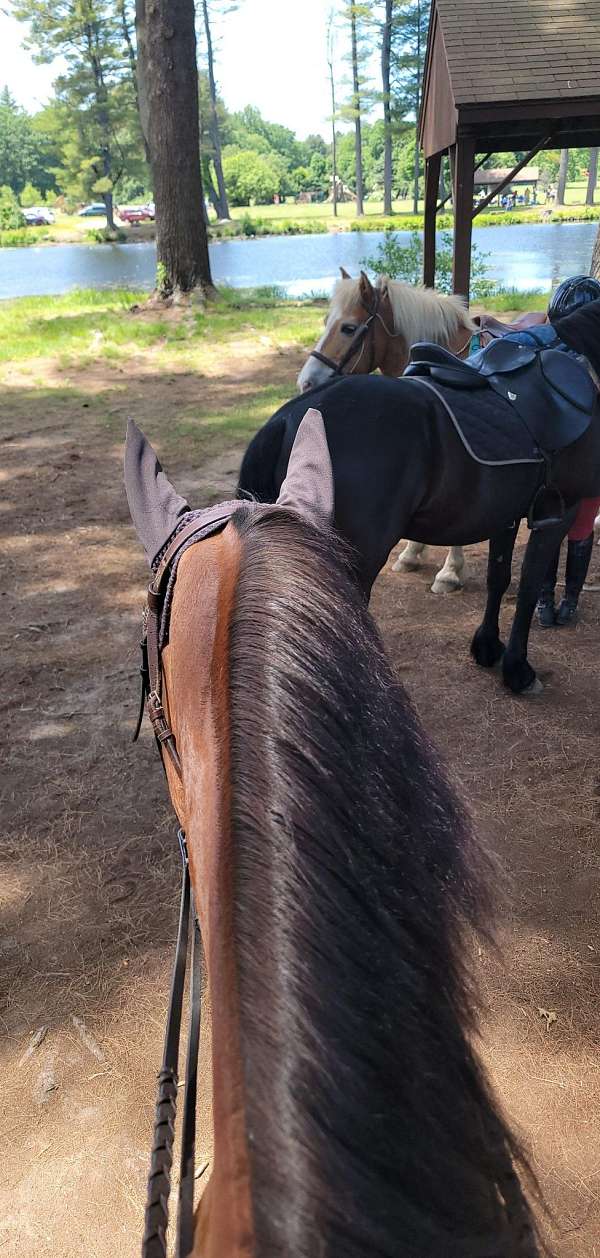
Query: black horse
x=402, y=471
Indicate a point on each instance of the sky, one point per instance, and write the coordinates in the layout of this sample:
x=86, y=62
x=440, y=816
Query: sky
x=270, y=53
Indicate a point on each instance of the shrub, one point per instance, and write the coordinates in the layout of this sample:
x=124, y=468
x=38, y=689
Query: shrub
x=31, y=196
x=10, y=212
x=18, y=236
x=104, y=235
x=405, y=262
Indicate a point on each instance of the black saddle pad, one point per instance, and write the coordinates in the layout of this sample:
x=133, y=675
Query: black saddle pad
x=488, y=426
x=549, y=390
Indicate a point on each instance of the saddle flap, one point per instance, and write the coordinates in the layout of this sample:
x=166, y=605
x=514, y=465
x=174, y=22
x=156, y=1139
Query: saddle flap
x=569, y=378
x=501, y=357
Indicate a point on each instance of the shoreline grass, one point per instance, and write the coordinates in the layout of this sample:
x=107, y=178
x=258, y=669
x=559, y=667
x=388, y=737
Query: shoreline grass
x=248, y=222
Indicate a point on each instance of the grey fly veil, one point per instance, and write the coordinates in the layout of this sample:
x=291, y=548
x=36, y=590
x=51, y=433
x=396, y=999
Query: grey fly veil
x=158, y=511
x=155, y=506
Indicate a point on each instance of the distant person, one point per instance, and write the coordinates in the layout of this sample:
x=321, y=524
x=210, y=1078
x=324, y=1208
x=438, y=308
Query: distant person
x=580, y=538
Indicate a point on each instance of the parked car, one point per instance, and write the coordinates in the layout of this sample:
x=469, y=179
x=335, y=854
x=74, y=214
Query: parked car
x=136, y=213
x=37, y=216
x=93, y=210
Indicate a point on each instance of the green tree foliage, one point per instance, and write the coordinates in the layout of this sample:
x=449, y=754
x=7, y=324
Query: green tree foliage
x=95, y=94
x=30, y=196
x=10, y=213
x=252, y=177
x=27, y=150
x=402, y=261
x=410, y=23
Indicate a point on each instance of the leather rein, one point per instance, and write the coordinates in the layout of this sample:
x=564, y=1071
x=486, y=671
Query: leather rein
x=154, y=1244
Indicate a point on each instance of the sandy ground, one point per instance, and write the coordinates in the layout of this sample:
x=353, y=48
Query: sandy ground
x=89, y=875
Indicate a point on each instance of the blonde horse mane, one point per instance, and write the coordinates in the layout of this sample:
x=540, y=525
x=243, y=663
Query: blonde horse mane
x=420, y=314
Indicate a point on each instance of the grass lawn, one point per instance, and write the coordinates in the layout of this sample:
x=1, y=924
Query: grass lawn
x=206, y=377
x=70, y=228
x=201, y=378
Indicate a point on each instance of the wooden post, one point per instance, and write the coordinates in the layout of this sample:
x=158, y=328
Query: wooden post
x=463, y=215
x=432, y=182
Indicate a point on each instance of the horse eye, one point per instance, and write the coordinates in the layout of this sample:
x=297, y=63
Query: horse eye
x=348, y=329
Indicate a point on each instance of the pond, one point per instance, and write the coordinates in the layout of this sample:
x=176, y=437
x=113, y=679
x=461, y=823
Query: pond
x=536, y=255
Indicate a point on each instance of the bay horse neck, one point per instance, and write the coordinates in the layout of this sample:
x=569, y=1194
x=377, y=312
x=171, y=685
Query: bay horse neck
x=195, y=664
x=333, y=875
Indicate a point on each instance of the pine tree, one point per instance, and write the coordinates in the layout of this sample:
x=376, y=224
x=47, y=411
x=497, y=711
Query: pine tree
x=220, y=200
x=386, y=62
x=95, y=90
x=409, y=42
x=331, y=68
x=356, y=109
x=358, y=18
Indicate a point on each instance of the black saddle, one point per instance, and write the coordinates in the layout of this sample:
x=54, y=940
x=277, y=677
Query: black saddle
x=551, y=390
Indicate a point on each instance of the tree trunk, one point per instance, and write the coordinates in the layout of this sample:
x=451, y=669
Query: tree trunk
x=168, y=89
x=131, y=57
x=442, y=191
x=417, y=112
x=222, y=207
x=416, y=178
x=356, y=105
x=107, y=197
x=103, y=120
x=209, y=186
x=386, y=51
x=562, y=176
x=592, y=177
x=595, y=267
x=333, y=115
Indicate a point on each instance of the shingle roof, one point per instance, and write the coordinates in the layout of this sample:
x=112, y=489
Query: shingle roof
x=513, y=50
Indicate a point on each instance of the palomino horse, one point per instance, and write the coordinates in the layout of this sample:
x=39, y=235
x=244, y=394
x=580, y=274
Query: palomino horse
x=335, y=881
x=402, y=471
x=373, y=327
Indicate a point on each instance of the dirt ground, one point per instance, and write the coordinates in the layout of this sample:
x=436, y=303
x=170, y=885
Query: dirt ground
x=89, y=875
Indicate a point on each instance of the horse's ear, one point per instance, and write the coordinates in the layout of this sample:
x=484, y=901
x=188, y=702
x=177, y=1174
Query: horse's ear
x=344, y=274
x=308, y=486
x=366, y=287
x=154, y=504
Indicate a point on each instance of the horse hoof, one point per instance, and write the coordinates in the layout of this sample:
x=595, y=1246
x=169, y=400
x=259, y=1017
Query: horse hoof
x=535, y=688
x=405, y=565
x=446, y=585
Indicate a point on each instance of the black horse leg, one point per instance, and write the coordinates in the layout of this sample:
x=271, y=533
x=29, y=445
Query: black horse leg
x=541, y=547
x=486, y=647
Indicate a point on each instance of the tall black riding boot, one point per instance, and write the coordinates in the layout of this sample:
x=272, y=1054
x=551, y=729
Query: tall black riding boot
x=545, y=606
x=578, y=562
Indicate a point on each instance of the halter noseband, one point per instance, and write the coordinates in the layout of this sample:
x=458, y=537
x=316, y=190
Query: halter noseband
x=356, y=342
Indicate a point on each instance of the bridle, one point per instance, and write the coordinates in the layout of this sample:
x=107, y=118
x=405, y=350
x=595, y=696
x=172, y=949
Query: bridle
x=358, y=342
x=155, y=623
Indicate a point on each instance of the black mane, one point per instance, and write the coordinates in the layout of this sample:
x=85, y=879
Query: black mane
x=371, y=1128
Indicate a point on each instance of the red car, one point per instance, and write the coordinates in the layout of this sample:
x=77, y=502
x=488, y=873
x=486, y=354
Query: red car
x=136, y=214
